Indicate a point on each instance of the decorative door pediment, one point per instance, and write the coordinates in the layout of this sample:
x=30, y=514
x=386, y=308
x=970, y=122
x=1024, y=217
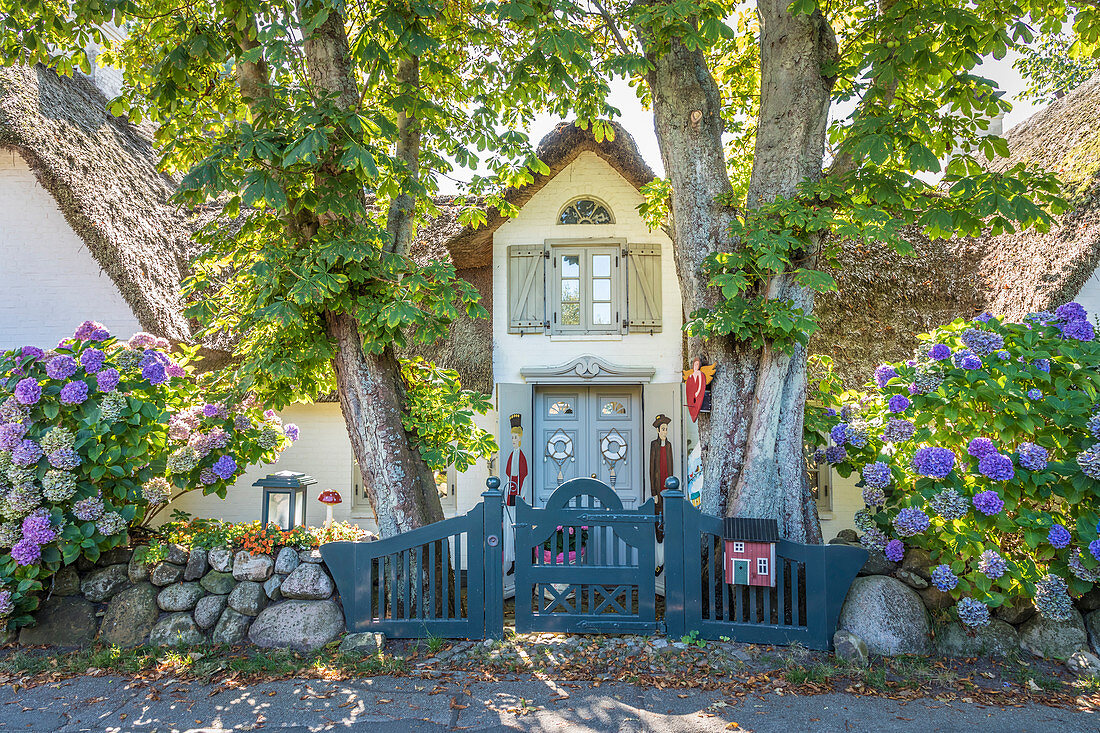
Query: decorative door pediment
x=587, y=369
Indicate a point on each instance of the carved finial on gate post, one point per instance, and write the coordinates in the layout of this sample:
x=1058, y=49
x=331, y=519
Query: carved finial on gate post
x=492, y=485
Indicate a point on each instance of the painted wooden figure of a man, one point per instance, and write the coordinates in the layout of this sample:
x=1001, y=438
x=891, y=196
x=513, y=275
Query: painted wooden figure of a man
x=660, y=465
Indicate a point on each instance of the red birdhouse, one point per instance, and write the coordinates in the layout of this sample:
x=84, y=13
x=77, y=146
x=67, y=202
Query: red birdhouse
x=750, y=551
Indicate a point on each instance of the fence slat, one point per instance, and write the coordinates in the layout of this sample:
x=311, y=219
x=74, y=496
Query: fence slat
x=446, y=546
x=432, y=592
x=780, y=584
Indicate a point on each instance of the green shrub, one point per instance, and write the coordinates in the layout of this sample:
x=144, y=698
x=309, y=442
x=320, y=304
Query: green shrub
x=983, y=449
x=97, y=436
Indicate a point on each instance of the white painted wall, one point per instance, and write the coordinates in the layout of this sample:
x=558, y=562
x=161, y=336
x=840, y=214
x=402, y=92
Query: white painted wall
x=52, y=283
x=847, y=500
x=1090, y=296
x=537, y=222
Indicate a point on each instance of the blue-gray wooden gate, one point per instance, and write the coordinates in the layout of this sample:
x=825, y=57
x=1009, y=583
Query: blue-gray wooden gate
x=603, y=585
x=803, y=607
x=413, y=585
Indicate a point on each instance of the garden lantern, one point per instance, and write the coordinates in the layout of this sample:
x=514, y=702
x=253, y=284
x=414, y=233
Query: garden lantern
x=284, y=499
x=329, y=498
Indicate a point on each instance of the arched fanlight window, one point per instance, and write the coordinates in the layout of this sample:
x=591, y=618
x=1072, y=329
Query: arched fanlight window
x=585, y=211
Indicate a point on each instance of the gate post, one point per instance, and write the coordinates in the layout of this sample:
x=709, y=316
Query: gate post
x=675, y=565
x=493, y=567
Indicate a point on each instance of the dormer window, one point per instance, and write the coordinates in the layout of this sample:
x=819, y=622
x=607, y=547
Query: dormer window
x=585, y=211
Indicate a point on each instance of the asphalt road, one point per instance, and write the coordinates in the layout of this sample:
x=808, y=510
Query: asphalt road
x=389, y=704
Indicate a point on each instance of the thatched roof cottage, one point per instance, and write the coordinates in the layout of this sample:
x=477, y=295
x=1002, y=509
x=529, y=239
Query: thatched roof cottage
x=584, y=334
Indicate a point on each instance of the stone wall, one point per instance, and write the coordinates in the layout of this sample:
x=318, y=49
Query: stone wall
x=193, y=596
x=893, y=608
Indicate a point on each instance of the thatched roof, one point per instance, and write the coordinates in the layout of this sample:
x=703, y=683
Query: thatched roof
x=469, y=347
x=883, y=300
x=1032, y=271
x=473, y=247
x=102, y=173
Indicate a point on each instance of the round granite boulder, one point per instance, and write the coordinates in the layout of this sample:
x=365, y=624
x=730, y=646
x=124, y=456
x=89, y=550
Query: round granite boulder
x=301, y=625
x=180, y=596
x=130, y=616
x=887, y=615
x=208, y=609
x=995, y=639
x=309, y=581
x=103, y=583
x=176, y=628
x=62, y=621
x=1054, y=639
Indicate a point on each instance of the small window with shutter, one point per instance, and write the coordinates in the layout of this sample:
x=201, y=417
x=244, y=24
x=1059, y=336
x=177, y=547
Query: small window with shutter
x=565, y=288
x=643, y=287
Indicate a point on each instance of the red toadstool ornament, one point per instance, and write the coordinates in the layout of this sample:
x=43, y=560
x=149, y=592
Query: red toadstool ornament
x=329, y=498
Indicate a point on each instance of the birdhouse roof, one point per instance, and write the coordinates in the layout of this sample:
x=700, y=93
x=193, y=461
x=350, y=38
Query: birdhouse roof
x=741, y=529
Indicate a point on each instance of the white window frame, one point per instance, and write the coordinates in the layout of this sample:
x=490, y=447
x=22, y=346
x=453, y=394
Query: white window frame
x=586, y=249
x=821, y=481
x=761, y=566
x=738, y=546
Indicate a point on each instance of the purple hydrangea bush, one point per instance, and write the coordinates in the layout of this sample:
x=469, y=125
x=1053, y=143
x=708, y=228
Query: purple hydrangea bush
x=90, y=433
x=984, y=450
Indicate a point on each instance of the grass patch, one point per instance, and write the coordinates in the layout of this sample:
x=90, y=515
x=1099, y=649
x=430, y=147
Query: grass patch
x=815, y=672
x=203, y=662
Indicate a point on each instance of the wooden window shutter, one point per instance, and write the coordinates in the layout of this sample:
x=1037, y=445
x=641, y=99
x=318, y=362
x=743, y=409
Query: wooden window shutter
x=526, y=289
x=643, y=287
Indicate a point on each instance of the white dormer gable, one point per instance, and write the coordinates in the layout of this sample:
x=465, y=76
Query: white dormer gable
x=604, y=286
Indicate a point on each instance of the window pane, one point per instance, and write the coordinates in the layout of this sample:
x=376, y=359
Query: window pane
x=570, y=290
x=585, y=211
x=601, y=314
x=561, y=407
x=601, y=288
x=570, y=266
x=571, y=314
x=601, y=265
x=612, y=407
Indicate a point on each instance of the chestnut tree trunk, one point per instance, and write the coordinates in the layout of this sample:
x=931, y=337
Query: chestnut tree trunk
x=399, y=484
x=752, y=438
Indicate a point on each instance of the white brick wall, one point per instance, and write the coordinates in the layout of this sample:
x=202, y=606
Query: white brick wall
x=537, y=222
x=51, y=281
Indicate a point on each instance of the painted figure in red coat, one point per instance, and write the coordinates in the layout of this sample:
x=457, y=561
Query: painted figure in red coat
x=516, y=468
x=661, y=464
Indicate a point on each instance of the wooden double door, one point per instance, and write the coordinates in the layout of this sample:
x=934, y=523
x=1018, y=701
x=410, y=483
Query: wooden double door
x=589, y=432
